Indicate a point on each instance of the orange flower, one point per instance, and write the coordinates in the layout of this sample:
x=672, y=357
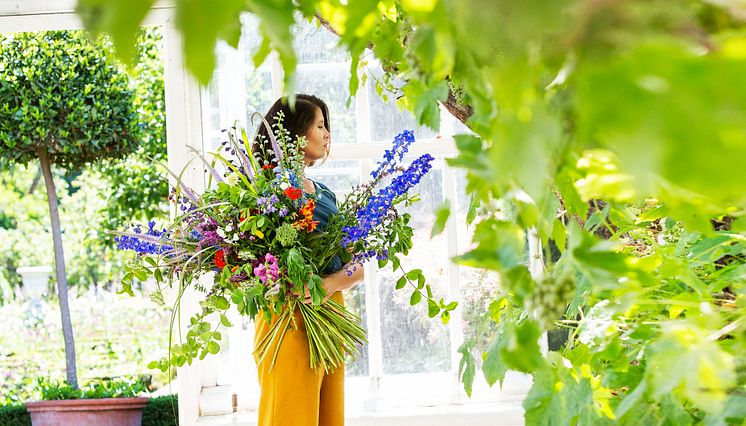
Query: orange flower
x=308, y=209
x=307, y=222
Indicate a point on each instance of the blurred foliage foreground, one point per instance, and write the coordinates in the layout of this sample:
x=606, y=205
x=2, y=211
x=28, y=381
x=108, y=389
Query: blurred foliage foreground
x=614, y=131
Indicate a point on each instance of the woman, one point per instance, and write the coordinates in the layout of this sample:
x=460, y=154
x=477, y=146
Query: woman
x=291, y=393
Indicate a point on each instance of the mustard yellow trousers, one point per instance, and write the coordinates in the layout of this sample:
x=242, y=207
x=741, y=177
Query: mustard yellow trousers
x=292, y=394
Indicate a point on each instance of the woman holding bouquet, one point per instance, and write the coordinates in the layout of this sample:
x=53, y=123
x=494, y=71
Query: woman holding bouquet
x=292, y=393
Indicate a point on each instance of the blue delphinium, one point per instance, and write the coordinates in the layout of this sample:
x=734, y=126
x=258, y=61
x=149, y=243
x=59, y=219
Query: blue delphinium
x=150, y=242
x=395, y=154
x=378, y=205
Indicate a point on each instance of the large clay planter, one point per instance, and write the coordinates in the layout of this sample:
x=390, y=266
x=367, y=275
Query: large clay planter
x=88, y=412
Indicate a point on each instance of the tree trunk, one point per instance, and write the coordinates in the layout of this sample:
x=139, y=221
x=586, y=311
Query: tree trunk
x=59, y=261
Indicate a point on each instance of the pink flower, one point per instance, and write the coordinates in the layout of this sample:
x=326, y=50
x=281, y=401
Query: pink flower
x=261, y=272
x=269, y=270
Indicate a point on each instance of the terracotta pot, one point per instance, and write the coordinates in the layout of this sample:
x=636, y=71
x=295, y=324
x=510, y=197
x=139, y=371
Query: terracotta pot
x=85, y=412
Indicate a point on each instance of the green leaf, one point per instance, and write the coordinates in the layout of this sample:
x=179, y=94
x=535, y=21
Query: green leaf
x=686, y=358
x=119, y=19
x=501, y=245
x=684, y=105
x=395, y=262
x=493, y=367
x=415, y=298
x=203, y=328
x=441, y=217
x=414, y=274
x=224, y=321
x=420, y=282
x=202, y=26
x=425, y=100
x=158, y=275
x=560, y=396
x=466, y=367
x=141, y=274
x=401, y=282
x=213, y=347
x=559, y=235
x=220, y=302
x=445, y=317
x=432, y=309
x=276, y=19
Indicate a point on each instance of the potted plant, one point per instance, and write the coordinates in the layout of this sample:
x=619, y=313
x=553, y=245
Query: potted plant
x=105, y=402
x=64, y=103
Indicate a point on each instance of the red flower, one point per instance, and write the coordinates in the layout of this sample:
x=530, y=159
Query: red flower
x=220, y=259
x=293, y=193
x=268, y=167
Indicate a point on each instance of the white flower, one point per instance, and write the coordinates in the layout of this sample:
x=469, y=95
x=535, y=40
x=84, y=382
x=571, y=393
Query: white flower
x=284, y=185
x=220, y=232
x=232, y=179
x=273, y=291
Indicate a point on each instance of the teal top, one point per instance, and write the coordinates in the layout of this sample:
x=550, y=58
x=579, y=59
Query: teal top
x=326, y=206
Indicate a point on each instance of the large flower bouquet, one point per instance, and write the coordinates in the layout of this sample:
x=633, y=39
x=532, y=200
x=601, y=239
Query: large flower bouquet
x=255, y=230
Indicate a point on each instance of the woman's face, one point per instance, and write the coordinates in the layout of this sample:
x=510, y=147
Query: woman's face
x=317, y=139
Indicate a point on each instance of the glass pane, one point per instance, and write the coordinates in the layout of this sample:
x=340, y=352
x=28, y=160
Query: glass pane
x=413, y=342
x=250, y=41
x=386, y=120
x=316, y=44
x=340, y=177
x=355, y=302
x=478, y=286
x=259, y=95
x=213, y=126
x=331, y=84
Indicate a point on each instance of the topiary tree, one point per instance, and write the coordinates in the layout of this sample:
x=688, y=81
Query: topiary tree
x=63, y=102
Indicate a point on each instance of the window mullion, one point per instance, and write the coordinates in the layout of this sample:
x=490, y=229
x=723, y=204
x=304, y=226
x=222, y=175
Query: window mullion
x=277, y=74
x=373, y=313
x=454, y=286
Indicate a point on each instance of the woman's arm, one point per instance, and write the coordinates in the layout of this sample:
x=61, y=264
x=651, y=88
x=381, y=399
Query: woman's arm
x=340, y=281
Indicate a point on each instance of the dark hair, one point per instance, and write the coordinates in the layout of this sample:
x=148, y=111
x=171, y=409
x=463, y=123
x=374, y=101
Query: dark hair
x=297, y=121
